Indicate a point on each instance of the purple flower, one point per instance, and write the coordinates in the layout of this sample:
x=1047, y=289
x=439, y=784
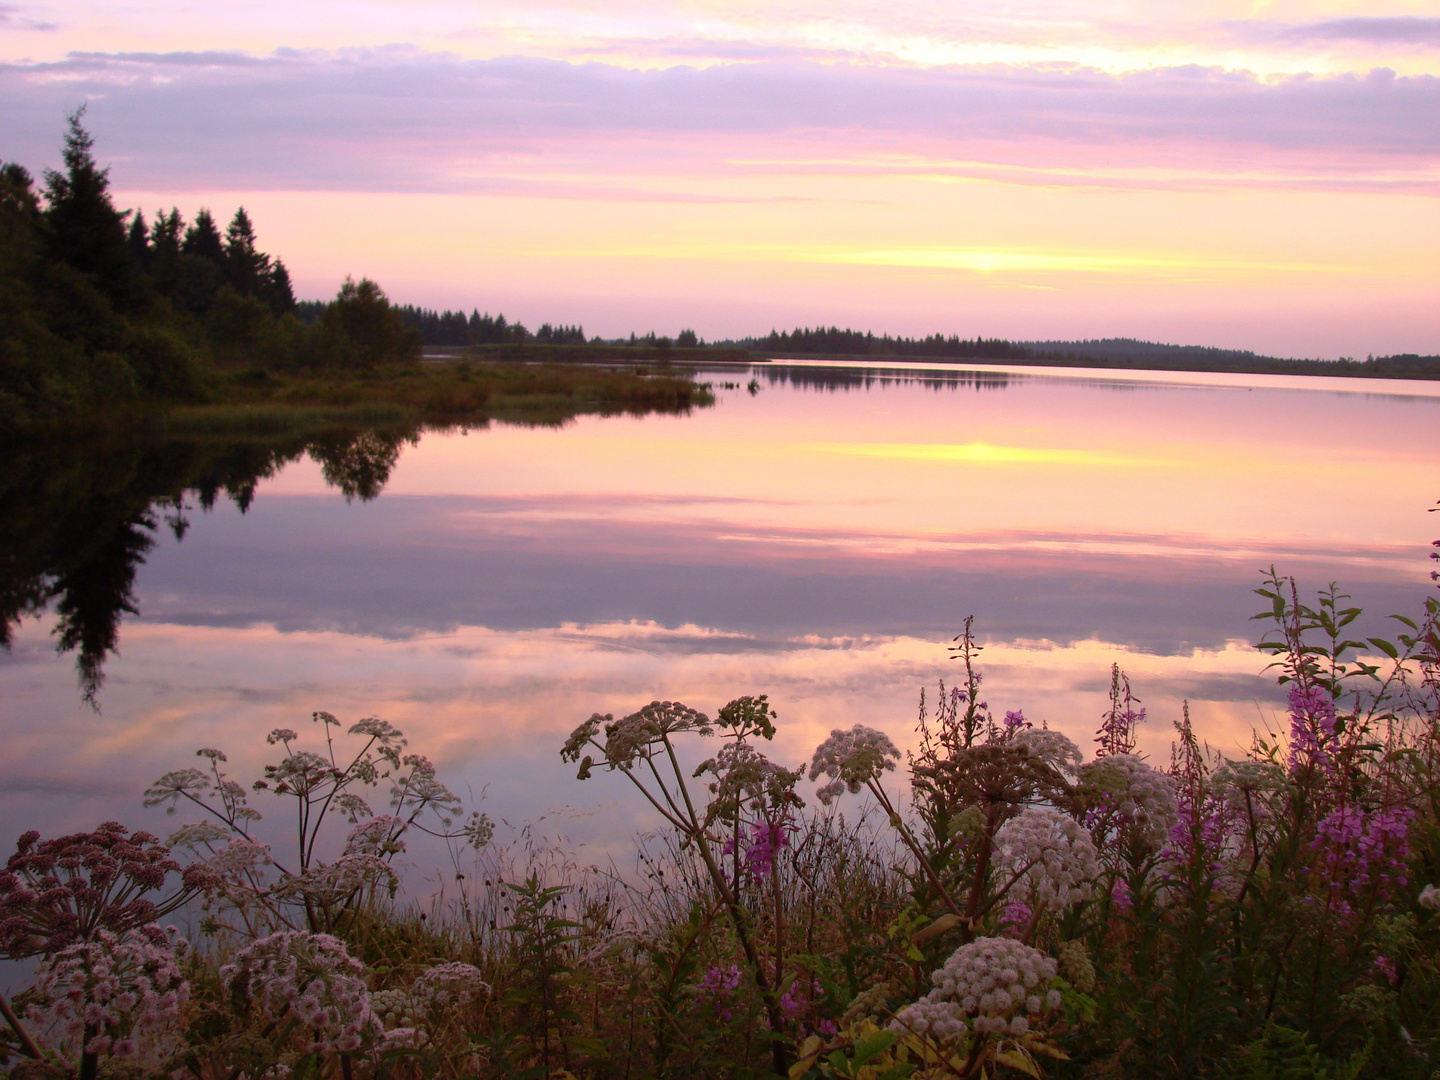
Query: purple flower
x=1120, y=895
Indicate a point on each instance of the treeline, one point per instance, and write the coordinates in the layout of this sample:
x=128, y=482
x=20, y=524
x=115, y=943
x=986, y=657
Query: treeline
x=836, y=342
x=1103, y=353
x=99, y=307
x=455, y=329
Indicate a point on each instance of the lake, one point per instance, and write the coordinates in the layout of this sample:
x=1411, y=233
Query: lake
x=819, y=540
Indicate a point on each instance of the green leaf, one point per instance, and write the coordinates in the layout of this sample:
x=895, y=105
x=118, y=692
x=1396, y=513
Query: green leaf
x=1386, y=647
x=876, y=1043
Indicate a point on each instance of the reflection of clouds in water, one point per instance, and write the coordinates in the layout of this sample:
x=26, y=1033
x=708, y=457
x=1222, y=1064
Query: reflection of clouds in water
x=491, y=707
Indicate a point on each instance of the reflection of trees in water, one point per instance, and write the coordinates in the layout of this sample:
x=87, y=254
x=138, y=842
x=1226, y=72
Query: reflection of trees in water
x=77, y=521
x=359, y=464
x=839, y=378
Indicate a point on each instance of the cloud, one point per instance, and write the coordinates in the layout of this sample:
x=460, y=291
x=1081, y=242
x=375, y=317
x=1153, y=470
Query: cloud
x=1373, y=30
x=10, y=17
x=401, y=119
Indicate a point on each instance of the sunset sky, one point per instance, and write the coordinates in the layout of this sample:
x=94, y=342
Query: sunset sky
x=1246, y=174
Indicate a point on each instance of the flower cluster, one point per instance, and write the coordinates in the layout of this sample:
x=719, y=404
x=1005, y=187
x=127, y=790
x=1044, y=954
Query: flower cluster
x=1049, y=747
x=333, y=884
x=311, y=977
x=1123, y=792
x=55, y=893
x=1362, y=850
x=119, y=994
x=448, y=986
x=852, y=759
x=719, y=986
x=1051, y=854
x=991, y=986
x=633, y=738
x=395, y=1009
x=1312, y=727
x=766, y=841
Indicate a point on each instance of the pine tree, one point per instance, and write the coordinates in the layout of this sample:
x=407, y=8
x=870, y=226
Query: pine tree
x=86, y=231
x=278, y=293
x=203, y=239
x=138, y=240
x=247, y=269
x=165, y=240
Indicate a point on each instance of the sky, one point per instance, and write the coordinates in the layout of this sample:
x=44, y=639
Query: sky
x=1257, y=175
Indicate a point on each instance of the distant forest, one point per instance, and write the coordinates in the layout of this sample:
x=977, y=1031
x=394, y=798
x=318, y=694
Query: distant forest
x=455, y=329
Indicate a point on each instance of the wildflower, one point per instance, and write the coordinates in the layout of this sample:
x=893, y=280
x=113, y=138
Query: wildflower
x=1312, y=727
x=1385, y=967
x=1360, y=851
x=310, y=976
x=1050, y=854
x=992, y=985
x=118, y=995
x=395, y=1009
x=719, y=986
x=379, y=836
x=1124, y=792
x=633, y=738
x=449, y=985
x=56, y=893
x=1049, y=747
x=332, y=884
x=1076, y=966
x=1430, y=898
x=852, y=759
x=745, y=776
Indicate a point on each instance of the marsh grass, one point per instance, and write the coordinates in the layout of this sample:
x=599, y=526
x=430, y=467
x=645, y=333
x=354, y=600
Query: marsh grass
x=445, y=391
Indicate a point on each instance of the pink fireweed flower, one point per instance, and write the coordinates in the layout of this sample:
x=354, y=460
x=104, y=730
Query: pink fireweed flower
x=1386, y=968
x=719, y=986
x=1312, y=727
x=1121, y=896
x=1361, y=851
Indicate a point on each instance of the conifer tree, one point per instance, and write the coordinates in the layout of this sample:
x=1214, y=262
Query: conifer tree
x=203, y=239
x=85, y=229
x=247, y=269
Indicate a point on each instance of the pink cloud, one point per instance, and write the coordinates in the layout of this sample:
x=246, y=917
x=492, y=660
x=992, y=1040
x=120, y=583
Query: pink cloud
x=402, y=120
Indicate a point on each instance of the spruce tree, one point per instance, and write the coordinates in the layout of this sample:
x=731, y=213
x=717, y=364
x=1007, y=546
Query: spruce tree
x=85, y=230
x=247, y=269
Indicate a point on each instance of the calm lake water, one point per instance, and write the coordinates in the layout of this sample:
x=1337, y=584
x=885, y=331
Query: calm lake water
x=819, y=540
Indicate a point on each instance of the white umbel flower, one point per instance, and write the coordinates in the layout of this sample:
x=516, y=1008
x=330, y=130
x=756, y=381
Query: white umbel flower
x=852, y=759
x=992, y=985
x=1141, y=796
x=311, y=976
x=1052, y=853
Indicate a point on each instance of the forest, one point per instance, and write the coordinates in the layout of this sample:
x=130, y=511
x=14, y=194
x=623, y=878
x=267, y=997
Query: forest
x=100, y=309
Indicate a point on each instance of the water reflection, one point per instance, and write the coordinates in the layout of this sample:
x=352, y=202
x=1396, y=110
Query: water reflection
x=819, y=377
x=77, y=520
x=487, y=590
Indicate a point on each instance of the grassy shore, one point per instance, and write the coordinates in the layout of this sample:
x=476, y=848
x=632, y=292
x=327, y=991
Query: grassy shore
x=260, y=401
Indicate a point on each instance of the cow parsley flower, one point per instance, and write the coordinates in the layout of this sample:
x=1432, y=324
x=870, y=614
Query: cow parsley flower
x=1052, y=853
x=1054, y=749
x=312, y=977
x=1123, y=791
x=395, y=1009
x=992, y=986
x=118, y=995
x=449, y=986
x=852, y=759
